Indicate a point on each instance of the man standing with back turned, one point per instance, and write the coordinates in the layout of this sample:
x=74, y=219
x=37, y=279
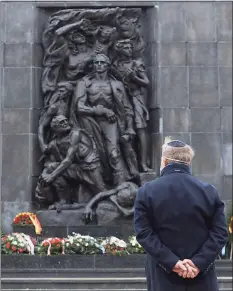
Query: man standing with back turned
x=180, y=223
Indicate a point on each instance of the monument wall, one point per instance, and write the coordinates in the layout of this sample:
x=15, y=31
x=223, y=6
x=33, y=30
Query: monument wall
x=188, y=60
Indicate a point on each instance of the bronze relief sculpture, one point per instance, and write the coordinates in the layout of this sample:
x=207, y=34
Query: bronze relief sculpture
x=92, y=129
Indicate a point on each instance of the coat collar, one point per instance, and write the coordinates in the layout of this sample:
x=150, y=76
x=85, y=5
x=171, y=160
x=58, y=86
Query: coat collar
x=175, y=168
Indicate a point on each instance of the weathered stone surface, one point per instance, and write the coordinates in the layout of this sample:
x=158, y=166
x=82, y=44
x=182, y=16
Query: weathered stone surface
x=172, y=54
x=227, y=153
x=35, y=155
x=19, y=22
x=172, y=22
x=64, y=218
x=37, y=96
x=17, y=55
x=107, y=213
x=176, y=119
x=225, y=54
x=223, y=12
x=153, y=98
x=227, y=188
x=225, y=86
x=205, y=119
x=37, y=55
x=15, y=168
x=226, y=119
x=202, y=53
x=152, y=27
x=208, y=153
x=156, y=141
x=15, y=121
x=151, y=54
x=203, y=86
x=173, y=86
x=155, y=117
x=147, y=177
x=17, y=94
x=200, y=21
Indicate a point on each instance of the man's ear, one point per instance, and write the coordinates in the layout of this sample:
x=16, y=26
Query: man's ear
x=165, y=161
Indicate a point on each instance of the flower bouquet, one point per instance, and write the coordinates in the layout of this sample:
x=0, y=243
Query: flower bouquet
x=52, y=246
x=25, y=221
x=114, y=246
x=133, y=247
x=18, y=243
x=82, y=244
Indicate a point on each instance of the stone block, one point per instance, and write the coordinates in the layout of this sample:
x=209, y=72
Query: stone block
x=172, y=54
x=37, y=55
x=176, y=119
x=39, y=23
x=227, y=188
x=19, y=22
x=15, y=182
x=152, y=92
x=154, y=122
x=202, y=53
x=172, y=85
x=207, y=160
x=17, y=88
x=151, y=16
x=223, y=12
x=226, y=119
x=37, y=96
x=17, y=55
x=35, y=155
x=200, y=21
x=64, y=218
x=225, y=54
x=225, y=86
x=2, y=24
x=151, y=54
x=203, y=86
x=227, y=153
x=156, y=141
x=34, y=115
x=15, y=121
x=172, y=22
x=116, y=261
x=9, y=210
x=205, y=120
x=215, y=180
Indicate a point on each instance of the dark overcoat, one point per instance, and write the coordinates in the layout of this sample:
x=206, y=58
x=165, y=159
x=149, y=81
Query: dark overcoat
x=179, y=217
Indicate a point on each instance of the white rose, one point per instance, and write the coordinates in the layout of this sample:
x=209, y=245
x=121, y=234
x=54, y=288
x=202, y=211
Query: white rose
x=14, y=242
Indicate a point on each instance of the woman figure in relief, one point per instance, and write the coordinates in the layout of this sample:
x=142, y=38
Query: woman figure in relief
x=132, y=73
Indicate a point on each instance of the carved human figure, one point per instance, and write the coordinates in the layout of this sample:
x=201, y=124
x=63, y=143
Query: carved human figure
x=101, y=96
x=78, y=56
x=127, y=24
x=122, y=196
x=133, y=75
x=59, y=104
x=73, y=160
x=105, y=36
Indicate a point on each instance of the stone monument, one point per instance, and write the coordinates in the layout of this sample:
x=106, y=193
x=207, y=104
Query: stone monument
x=93, y=126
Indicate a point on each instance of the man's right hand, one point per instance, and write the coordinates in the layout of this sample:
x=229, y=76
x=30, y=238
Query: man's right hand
x=186, y=269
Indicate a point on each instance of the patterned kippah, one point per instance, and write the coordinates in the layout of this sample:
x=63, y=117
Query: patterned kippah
x=176, y=144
